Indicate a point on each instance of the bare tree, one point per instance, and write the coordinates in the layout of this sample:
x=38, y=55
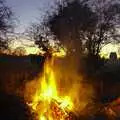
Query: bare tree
x=63, y=24
x=43, y=38
x=108, y=15
x=85, y=24
x=6, y=24
x=40, y=34
x=69, y=23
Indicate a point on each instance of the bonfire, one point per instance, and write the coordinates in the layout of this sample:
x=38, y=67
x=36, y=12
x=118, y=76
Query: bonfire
x=47, y=103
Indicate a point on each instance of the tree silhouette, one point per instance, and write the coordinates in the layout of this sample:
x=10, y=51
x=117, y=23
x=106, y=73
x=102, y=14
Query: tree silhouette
x=6, y=24
x=85, y=24
x=65, y=25
x=80, y=25
x=40, y=34
x=43, y=38
x=70, y=23
x=108, y=17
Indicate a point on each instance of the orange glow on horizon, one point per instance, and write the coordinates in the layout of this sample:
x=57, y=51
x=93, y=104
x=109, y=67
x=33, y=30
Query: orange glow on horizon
x=107, y=49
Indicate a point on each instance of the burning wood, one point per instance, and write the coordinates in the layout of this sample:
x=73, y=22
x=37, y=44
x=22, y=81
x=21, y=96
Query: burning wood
x=54, y=111
x=46, y=102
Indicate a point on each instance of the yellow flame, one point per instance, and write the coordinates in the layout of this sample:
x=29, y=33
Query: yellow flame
x=46, y=94
x=42, y=118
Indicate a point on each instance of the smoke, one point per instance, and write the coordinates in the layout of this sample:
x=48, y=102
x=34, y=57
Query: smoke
x=71, y=82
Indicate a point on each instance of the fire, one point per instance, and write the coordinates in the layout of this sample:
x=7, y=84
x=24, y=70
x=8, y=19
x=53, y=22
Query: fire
x=46, y=102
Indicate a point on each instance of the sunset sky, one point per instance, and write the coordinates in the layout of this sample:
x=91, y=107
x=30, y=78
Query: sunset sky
x=27, y=12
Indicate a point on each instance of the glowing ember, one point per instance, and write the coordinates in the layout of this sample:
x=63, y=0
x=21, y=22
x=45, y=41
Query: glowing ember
x=46, y=102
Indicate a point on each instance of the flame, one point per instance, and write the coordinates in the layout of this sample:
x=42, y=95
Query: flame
x=46, y=102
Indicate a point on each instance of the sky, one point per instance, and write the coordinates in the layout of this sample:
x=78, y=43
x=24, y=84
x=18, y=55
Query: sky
x=28, y=11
